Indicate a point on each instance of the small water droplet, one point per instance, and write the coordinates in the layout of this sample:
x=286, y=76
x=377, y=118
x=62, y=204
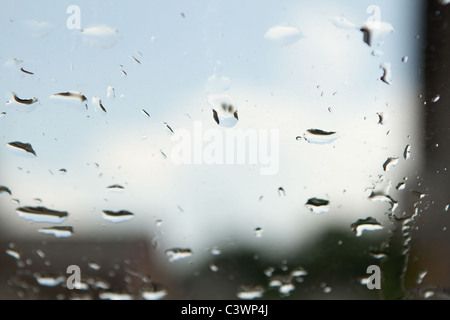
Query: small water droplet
x=374, y=32
x=70, y=96
x=377, y=196
x=299, y=272
x=281, y=192
x=447, y=207
x=115, y=188
x=428, y=294
x=58, y=232
x=436, y=98
x=317, y=205
x=22, y=146
x=247, y=292
x=48, y=281
x=318, y=136
x=101, y=36
x=216, y=251
x=389, y=163
x=258, y=232
x=110, y=92
x=213, y=268
x=368, y=224
x=156, y=293
x=282, y=35
x=13, y=253
x=24, y=101
x=407, y=152
x=298, y=138
x=421, y=276
x=387, y=73
x=41, y=214
x=405, y=59
x=224, y=111
x=327, y=289
x=175, y=254
x=158, y=223
x=401, y=186
x=114, y=296
x=117, y=216
x=146, y=113
x=420, y=195
x=93, y=265
x=4, y=189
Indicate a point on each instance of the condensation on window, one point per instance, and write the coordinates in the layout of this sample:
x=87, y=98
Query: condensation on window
x=224, y=150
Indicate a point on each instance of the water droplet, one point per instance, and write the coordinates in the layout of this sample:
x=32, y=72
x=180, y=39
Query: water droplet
x=103, y=36
x=258, y=232
x=377, y=196
x=421, y=276
x=318, y=136
x=4, y=189
x=175, y=254
x=98, y=101
x=269, y=271
x=58, y=232
x=146, y=113
x=155, y=293
x=299, y=272
x=420, y=195
x=24, y=101
x=168, y=127
x=250, y=292
x=110, y=92
x=213, y=268
x=40, y=253
x=282, y=35
x=436, y=98
x=23, y=146
x=49, y=281
x=317, y=205
x=405, y=59
x=13, y=253
x=286, y=289
x=375, y=31
x=41, y=214
x=381, y=118
x=158, y=223
x=389, y=163
x=298, y=138
x=117, y=216
x=93, y=265
x=407, y=152
x=387, y=73
x=115, y=188
x=428, y=294
x=224, y=111
x=114, y=296
x=216, y=251
x=327, y=289
x=401, y=186
x=368, y=224
x=70, y=96
x=447, y=207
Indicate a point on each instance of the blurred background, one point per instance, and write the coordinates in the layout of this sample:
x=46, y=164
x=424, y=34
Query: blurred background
x=89, y=178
